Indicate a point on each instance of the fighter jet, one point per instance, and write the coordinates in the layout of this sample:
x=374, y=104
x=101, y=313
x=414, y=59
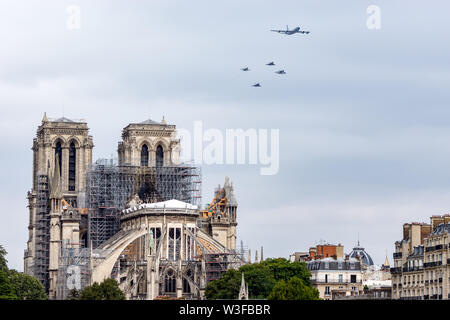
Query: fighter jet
x=256, y=85
x=245, y=69
x=290, y=32
x=270, y=64
x=280, y=72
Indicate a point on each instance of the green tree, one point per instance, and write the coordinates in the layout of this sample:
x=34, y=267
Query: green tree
x=260, y=277
x=283, y=269
x=74, y=294
x=6, y=288
x=3, y=261
x=227, y=287
x=107, y=290
x=26, y=287
x=293, y=289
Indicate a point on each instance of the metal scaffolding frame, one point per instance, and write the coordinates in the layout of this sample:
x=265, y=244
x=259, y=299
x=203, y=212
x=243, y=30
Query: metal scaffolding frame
x=74, y=270
x=42, y=225
x=219, y=263
x=109, y=187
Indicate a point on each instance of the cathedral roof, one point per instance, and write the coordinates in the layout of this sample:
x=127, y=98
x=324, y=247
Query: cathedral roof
x=150, y=121
x=63, y=119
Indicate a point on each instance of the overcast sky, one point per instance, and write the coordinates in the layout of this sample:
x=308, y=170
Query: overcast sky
x=363, y=114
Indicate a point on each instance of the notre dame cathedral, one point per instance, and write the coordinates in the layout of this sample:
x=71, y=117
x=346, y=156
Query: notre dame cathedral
x=138, y=220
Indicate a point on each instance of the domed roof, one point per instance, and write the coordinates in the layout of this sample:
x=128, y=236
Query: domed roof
x=359, y=251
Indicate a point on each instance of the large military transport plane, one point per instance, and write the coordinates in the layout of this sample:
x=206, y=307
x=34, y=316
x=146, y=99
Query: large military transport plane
x=290, y=32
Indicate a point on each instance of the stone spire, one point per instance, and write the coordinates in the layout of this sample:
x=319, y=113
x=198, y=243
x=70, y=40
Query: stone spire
x=44, y=119
x=243, y=292
x=256, y=256
x=249, y=256
x=386, y=261
x=262, y=254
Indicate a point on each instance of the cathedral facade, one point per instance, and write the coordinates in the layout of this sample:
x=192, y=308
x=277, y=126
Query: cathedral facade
x=165, y=244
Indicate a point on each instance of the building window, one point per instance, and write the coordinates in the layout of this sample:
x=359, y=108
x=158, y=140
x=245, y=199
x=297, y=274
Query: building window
x=72, y=166
x=341, y=278
x=170, y=281
x=327, y=290
x=353, y=278
x=326, y=278
x=159, y=156
x=58, y=154
x=144, y=156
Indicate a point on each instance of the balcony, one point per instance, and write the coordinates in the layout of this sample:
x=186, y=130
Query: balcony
x=314, y=281
x=436, y=247
x=396, y=270
x=397, y=255
x=432, y=264
x=412, y=269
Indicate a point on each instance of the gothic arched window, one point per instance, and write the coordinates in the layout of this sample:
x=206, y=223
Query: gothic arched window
x=170, y=281
x=159, y=156
x=144, y=156
x=72, y=166
x=58, y=153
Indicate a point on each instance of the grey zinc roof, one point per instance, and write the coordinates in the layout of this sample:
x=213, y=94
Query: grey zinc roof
x=365, y=257
x=442, y=228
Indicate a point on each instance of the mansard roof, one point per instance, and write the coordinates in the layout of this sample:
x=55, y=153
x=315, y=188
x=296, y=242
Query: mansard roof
x=441, y=228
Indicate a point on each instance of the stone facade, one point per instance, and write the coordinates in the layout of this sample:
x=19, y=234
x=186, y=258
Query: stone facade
x=182, y=240
x=341, y=275
x=147, y=143
x=421, y=261
x=67, y=143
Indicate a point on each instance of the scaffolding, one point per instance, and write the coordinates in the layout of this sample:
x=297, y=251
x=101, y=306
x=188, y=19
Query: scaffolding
x=110, y=187
x=219, y=263
x=74, y=270
x=42, y=225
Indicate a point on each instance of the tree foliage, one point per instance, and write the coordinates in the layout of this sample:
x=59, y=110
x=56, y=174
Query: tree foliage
x=6, y=288
x=107, y=290
x=26, y=287
x=261, y=279
x=3, y=261
x=293, y=289
x=17, y=285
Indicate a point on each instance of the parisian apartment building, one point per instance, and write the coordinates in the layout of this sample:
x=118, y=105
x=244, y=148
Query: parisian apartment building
x=421, y=261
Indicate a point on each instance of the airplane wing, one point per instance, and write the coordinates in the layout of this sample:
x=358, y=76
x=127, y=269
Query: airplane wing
x=279, y=31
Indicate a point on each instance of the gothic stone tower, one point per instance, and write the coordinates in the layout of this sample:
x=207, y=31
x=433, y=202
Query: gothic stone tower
x=219, y=218
x=149, y=144
x=67, y=144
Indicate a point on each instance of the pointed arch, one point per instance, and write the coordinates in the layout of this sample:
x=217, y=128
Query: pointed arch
x=144, y=155
x=170, y=281
x=159, y=156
